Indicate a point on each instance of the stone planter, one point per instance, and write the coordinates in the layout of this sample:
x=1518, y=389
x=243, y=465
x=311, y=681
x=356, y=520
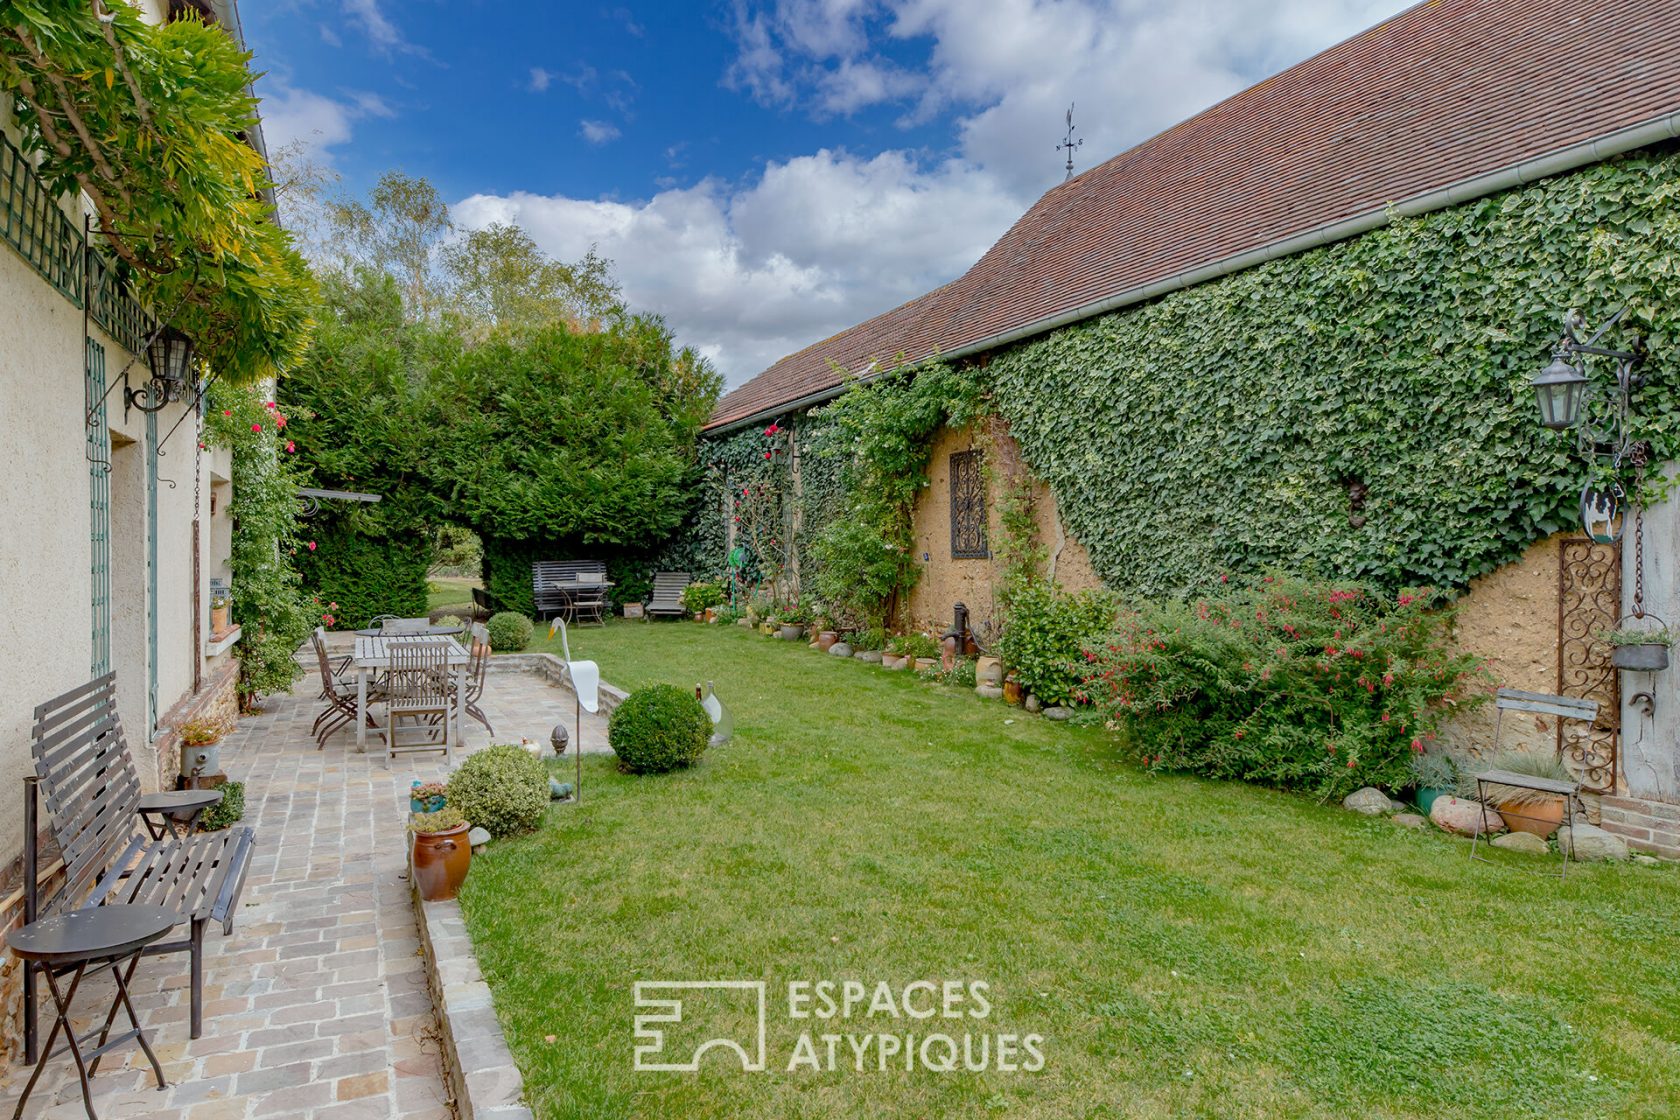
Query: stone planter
x=1640, y=659
x=196, y=762
x=791, y=633
x=441, y=861
x=632, y=610
x=826, y=639
x=925, y=663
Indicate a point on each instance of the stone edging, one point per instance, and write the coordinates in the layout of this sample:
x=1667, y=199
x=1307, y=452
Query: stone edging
x=553, y=670
x=486, y=1083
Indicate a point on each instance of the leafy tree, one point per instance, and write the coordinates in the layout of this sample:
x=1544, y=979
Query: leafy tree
x=498, y=277
x=398, y=231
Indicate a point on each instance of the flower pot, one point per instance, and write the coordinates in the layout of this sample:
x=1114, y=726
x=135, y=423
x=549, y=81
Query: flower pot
x=1426, y=798
x=791, y=633
x=219, y=621
x=426, y=804
x=1640, y=659
x=826, y=639
x=710, y=614
x=766, y=628
x=632, y=610
x=1542, y=818
x=198, y=761
x=440, y=862
x=925, y=663
x=891, y=661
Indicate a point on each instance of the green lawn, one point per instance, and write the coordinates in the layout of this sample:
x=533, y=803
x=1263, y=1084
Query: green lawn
x=449, y=591
x=1185, y=948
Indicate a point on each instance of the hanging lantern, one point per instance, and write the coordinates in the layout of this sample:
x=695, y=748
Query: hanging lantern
x=1560, y=389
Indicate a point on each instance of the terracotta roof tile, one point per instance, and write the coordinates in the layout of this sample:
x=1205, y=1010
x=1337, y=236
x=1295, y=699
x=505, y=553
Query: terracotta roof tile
x=1443, y=92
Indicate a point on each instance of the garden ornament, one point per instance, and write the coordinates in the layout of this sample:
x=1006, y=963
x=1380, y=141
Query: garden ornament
x=723, y=724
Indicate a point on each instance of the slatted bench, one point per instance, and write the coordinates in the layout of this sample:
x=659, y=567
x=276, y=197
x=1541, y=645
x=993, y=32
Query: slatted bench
x=85, y=775
x=668, y=588
x=566, y=587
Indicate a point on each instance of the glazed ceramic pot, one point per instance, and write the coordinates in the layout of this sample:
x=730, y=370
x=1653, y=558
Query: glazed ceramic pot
x=440, y=862
x=826, y=639
x=1012, y=691
x=1426, y=797
x=791, y=633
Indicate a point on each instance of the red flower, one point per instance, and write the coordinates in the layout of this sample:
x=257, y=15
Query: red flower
x=227, y=412
x=268, y=404
x=767, y=454
x=1350, y=764
x=279, y=421
x=256, y=427
x=290, y=446
x=311, y=545
x=1417, y=746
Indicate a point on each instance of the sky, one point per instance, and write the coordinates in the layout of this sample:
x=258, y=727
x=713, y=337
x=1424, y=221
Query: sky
x=763, y=173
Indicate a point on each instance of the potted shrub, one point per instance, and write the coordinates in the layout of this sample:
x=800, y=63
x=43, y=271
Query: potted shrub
x=1523, y=810
x=221, y=602
x=1434, y=775
x=439, y=853
x=699, y=599
x=427, y=797
x=1641, y=651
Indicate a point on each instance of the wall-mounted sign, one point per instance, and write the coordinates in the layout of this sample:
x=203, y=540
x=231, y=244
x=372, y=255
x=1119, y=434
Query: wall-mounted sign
x=1602, y=516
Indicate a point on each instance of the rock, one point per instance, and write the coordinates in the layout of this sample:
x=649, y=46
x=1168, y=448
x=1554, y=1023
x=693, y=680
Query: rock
x=744, y=623
x=888, y=661
x=1522, y=842
x=872, y=656
x=989, y=691
x=839, y=649
x=1370, y=801
x=1465, y=817
x=1644, y=860
x=1408, y=820
x=1588, y=841
x=1395, y=805
x=477, y=838
x=1032, y=704
x=1058, y=712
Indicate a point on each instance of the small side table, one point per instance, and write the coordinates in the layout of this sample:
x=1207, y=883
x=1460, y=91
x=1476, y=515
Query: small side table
x=176, y=806
x=68, y=944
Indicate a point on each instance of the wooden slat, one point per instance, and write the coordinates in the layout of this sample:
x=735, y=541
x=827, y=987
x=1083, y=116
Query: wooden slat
x=1566, y=707
x=1527, y=781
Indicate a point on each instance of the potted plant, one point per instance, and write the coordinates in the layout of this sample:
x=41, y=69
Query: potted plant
x=1434, y=775
x=200, y=754
x=427, y=797
x=221, y=603
x=1642, y=651
x=1523, y=810
x=701, y=598
x=922, y=650
x=440, y=854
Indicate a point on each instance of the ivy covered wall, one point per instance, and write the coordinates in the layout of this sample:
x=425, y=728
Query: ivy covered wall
x=1216, y=429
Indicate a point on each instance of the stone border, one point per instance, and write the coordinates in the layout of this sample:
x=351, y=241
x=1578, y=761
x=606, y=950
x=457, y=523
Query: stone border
x=476, y=1060
x=553, y=670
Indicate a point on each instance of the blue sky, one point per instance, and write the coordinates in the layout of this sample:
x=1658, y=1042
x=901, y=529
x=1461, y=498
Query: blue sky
x=762, y=172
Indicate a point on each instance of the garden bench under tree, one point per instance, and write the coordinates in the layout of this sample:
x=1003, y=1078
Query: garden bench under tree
x=668, y=588
x=86, y=776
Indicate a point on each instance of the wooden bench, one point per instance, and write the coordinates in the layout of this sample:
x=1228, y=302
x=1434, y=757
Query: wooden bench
x=564, y=587
x=85, y=775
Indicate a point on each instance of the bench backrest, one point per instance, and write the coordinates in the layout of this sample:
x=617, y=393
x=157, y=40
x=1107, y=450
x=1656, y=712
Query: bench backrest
x=545, y=573
x=1566, y=707
x=669, y=586
x=87, y=779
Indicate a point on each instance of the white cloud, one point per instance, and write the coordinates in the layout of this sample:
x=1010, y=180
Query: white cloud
x=598, y=132
x=316, y=122
x=816, y=244
x=748, y=273
x=540, y=79
x=381, y=32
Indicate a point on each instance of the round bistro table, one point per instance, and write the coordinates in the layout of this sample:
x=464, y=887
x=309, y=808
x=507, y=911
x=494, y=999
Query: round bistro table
x=67, y=944
x=175, y=807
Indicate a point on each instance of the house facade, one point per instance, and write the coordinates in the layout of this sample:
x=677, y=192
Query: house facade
x=1296, y=331
x=116, y=519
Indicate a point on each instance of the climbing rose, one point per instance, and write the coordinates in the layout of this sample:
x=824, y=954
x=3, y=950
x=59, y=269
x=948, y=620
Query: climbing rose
x=268, y=404
x=256, y=427
x=767, y=454
x=290, y=446
x=279, y=420
x=311, y=546
x=227, y=412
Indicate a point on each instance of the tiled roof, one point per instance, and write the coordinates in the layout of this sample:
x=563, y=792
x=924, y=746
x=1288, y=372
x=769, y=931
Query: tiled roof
x=1444, y=92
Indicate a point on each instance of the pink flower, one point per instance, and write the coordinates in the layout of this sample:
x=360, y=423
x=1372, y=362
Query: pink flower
x=279, y=420
x=1417, y=746
x=767, y=454
x=1350, y=764
x=290, y=447
x=256, y=427
x=268, y=404
x=311, y=545
x=332, y=606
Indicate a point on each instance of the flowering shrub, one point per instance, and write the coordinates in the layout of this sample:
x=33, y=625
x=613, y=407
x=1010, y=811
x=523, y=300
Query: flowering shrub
x=1046, y=631
x=1308, y=686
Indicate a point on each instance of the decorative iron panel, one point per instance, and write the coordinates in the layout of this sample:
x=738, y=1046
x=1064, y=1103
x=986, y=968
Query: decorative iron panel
x=99, y=503
x=968, y=507
x=114, y=307
x=32, y=223
x=1589, y=600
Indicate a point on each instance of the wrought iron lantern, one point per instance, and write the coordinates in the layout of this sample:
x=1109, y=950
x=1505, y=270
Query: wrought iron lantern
x=1560, y=389
x=170, y=356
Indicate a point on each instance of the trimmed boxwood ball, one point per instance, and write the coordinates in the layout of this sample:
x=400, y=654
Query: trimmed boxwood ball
x=509, y=632
x=658, y=729
x=502, y=790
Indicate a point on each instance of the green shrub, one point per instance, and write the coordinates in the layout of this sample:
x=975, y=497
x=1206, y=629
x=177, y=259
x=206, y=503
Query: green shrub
x=1045, y=635
x=872, y=638
x=438, y=820
x=509, y=632
x=1308, y=686
x=658, y=729
x=696, y=597
x=229, y=809
x=366, y=576
x=502, y=789
x=913, y=645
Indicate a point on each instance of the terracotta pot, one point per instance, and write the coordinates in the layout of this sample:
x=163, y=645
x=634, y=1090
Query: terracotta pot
x=925, y=663
x=826, y=639
x=440, y=862
x=1542, y=818
x=219, y=623
x=1012, y=691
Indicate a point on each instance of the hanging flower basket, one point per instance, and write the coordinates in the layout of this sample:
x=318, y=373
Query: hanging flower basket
x=1640, y=650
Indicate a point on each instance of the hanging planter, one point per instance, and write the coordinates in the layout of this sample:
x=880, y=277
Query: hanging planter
x=1639, y=650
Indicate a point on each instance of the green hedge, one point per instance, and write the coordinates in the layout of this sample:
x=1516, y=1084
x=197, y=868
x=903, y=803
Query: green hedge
x=365, y=576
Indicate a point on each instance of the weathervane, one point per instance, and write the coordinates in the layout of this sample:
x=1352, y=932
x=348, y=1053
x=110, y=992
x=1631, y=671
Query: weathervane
x=1070, y=143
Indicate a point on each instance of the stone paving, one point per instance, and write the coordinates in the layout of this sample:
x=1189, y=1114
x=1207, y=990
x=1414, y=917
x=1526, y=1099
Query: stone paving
x=317, y=1005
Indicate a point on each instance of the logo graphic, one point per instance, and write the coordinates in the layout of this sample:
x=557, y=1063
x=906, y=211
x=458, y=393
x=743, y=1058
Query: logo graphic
x=650, y=1035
